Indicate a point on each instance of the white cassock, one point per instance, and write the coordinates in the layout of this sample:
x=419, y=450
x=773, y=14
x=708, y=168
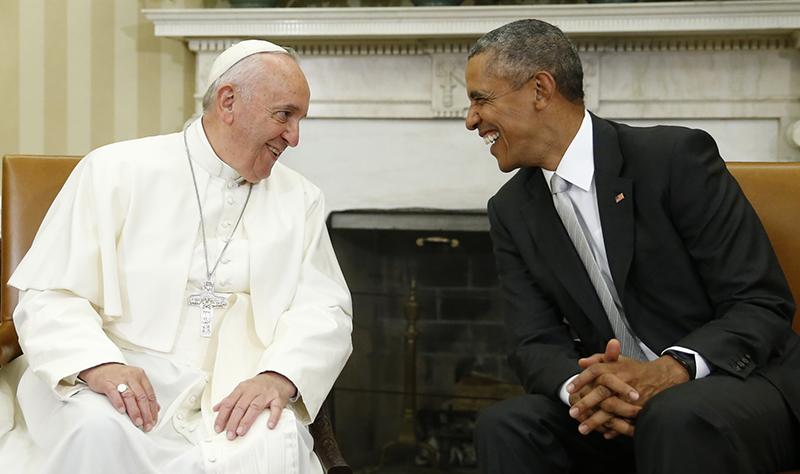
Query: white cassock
x=107, y=280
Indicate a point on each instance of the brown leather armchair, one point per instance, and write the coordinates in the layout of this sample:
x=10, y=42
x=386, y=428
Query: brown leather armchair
x=30, y=183
x=774, y=191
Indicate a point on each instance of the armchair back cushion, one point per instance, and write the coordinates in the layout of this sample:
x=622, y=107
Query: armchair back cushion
x=30, y=183
x=774, y=191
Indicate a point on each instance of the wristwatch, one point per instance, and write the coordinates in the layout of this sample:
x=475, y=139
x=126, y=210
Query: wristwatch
x=685, y=359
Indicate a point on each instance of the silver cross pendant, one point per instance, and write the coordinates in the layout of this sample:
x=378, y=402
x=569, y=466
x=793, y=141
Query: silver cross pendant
x=206, y=300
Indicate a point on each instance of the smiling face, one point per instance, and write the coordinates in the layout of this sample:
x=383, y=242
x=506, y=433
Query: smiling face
x=265, y=117
x=505, y=117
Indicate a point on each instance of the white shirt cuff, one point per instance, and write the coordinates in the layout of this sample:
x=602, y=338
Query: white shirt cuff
x=700, y=363
x=562, y=392
x=69, y=386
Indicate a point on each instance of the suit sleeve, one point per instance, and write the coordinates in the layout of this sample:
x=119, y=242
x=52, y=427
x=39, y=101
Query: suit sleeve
x=733, y=256
x=543, y=353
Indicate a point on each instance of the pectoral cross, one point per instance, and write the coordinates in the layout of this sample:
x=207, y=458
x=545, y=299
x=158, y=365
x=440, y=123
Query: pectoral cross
x=206, y=300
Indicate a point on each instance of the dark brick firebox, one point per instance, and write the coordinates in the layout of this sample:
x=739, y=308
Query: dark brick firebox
x=461, y=347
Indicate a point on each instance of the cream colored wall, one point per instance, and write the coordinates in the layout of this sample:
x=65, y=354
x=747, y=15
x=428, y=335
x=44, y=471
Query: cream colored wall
x=77, y=74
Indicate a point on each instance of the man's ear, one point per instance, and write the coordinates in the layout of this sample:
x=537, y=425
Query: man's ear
x=225, y=101
x=544, y=88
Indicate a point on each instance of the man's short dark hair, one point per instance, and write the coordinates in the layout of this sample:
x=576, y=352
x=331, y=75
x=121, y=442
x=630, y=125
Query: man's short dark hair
x=522, y=48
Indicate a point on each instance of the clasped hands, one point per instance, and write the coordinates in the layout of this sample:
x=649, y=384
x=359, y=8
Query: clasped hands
x=612, y=389
x=235, y=413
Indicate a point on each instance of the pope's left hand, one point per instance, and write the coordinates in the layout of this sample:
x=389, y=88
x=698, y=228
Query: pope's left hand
x=239, y=410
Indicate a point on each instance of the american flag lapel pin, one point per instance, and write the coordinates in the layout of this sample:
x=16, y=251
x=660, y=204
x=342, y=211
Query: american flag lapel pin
x=618, y=198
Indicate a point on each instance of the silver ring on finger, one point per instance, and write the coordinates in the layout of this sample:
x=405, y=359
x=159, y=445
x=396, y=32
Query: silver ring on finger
x=122, y=388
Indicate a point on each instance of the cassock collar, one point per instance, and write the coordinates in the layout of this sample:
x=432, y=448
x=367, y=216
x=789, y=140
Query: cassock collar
x=577, y=164
x=204, y=155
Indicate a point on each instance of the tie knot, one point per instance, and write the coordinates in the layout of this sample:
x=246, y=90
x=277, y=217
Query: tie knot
x=558, y=184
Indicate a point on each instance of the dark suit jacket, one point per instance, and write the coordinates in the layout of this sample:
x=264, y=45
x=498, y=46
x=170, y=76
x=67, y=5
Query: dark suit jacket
x=688, y=255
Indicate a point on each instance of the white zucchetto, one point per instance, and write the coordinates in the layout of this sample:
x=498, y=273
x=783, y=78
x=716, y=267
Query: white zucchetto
x=236, y=53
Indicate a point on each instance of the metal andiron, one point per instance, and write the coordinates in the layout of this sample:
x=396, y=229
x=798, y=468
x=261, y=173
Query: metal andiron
x=407, y=445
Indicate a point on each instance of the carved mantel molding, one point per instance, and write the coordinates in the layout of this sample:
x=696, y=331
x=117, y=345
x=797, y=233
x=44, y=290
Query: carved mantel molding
x=730, y=17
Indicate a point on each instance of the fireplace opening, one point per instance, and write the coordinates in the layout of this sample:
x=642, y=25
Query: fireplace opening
x=429, y=339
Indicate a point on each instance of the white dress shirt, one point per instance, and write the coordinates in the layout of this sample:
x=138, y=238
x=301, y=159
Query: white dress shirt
x=577, y=168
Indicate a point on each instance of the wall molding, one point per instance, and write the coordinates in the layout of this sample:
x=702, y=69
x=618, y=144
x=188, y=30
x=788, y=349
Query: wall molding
x=697, y=43
x=430, y=47
x=730, y=17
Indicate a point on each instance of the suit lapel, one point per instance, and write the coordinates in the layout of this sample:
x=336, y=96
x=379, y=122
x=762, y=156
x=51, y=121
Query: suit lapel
x=557, y=250
x=614, y=201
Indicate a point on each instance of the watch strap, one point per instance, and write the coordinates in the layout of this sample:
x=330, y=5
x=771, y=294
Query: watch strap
x=686, y=360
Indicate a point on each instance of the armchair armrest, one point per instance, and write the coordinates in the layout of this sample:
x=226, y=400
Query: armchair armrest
x=325, y=445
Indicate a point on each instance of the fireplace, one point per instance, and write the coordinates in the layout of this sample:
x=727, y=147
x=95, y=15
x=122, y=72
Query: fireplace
x=424, y=278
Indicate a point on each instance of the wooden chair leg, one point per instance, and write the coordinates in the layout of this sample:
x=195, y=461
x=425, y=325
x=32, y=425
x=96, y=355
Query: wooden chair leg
x=325, y=445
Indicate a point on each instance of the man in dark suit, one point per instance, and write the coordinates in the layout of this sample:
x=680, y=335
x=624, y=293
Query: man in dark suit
x=615, y=239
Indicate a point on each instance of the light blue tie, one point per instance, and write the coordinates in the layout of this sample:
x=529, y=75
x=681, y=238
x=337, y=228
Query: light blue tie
x=605, y=291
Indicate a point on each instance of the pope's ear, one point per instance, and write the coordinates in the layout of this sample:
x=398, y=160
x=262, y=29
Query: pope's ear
x=225, y=98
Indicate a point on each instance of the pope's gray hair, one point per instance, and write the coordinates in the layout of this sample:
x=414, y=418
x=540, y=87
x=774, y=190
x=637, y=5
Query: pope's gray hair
x=522, y=48
x=242, y=75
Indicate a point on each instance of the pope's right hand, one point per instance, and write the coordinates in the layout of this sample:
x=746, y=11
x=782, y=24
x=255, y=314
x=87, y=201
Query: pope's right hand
x=138, y=400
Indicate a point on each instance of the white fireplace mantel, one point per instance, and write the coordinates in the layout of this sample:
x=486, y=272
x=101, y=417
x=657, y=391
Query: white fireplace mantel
x=388, y=94
x=759, y=16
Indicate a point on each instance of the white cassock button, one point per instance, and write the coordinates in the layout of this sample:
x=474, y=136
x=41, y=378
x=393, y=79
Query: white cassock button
x=192, y=399
x=231, y=184
x=192, y=428
x=226, y=224
x=180, y=416
x=226, y=260
x=212, y=459
x=231, y=200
